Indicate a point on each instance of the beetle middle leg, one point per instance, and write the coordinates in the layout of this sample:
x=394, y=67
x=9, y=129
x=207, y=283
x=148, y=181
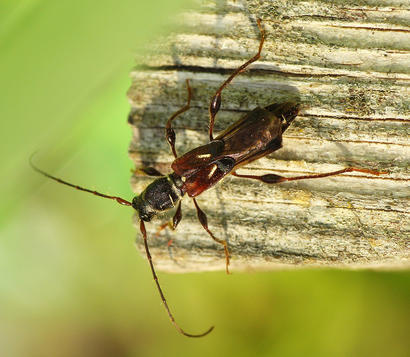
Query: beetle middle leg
x=272, y=178
x=204, y=222
x=148, y=171
x=169, y=132
x=216, y=99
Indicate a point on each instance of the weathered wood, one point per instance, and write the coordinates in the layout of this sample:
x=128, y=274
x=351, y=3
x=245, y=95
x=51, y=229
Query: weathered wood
x=349, y=67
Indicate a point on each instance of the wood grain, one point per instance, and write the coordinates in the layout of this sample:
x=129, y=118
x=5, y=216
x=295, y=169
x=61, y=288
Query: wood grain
x=348, y=65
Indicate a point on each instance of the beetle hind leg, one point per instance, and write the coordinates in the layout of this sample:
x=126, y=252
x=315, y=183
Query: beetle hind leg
x=216, y=99
x=272, y=178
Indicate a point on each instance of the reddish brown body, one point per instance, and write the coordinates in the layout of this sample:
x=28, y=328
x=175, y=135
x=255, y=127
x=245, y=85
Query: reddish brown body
x=257, y=134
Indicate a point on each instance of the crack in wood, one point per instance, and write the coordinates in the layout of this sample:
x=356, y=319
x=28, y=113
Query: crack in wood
x=251, y=71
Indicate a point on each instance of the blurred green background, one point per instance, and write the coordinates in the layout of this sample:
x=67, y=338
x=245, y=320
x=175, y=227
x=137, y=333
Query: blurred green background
x=72, y=283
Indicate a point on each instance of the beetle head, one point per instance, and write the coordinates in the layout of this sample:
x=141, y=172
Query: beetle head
x=145, y=210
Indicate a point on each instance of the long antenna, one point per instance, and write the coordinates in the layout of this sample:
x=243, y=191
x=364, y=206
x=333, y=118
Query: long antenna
x=164, y=301
x=116, y=198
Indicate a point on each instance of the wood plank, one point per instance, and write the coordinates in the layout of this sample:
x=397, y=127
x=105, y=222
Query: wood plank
x=348, y=67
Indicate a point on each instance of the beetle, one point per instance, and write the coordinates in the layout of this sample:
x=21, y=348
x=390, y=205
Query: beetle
x=255, y=135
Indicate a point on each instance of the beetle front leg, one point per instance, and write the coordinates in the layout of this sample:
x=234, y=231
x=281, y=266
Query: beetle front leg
x=204, y=222
x=216, y=99
x=169, y=132
x=172, y=224
x=272, y=178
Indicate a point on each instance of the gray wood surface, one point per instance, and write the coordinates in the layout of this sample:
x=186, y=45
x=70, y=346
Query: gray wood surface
x=348, y=65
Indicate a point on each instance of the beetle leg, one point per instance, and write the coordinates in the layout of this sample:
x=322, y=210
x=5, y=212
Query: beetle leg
x=216, y=99
x=162, y=227
x=204, y=221
x=272, y=178
x=177, y=217
x=169, y=132
x=172, y=223
x=149, y=171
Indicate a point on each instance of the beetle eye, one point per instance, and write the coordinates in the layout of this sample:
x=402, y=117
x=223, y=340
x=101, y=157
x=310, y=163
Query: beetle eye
x=135, y=203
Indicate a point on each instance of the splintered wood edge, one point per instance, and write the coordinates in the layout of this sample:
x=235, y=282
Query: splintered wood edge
x=347, y=67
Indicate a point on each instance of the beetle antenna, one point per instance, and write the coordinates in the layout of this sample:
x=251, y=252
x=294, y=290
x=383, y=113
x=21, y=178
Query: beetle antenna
x=116, y=198
x=164, y=301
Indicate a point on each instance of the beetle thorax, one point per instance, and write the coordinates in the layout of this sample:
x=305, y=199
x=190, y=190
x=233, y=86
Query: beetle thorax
x=160, y=195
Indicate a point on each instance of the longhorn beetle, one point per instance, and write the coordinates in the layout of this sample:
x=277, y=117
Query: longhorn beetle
x=255, y=135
